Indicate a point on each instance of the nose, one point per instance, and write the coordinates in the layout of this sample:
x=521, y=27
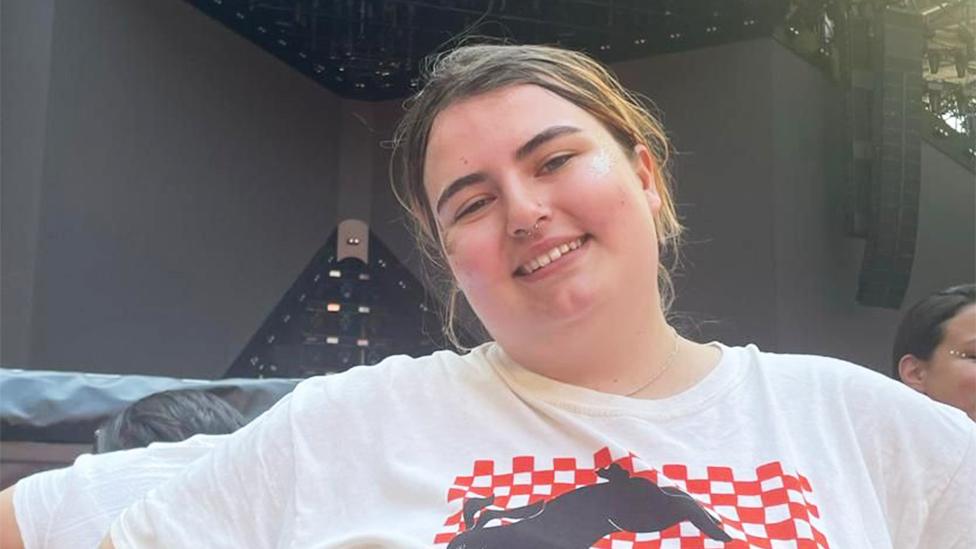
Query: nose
x=526, y=212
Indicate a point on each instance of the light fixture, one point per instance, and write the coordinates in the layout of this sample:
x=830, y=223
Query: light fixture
x=935, y=60
x=959, y=56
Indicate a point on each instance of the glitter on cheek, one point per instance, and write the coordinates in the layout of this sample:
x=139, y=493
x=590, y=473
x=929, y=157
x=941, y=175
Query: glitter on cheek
x=601, y=163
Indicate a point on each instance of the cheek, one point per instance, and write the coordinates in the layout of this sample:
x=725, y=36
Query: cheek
x=963, y=390
x=956, y=381
x=470, y=257
x=967, y=380
x=597, y=186
x=610, y=204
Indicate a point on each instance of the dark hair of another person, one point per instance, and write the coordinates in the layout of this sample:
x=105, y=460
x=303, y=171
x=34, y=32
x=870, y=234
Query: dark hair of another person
x=921, y=329
x=168, y=416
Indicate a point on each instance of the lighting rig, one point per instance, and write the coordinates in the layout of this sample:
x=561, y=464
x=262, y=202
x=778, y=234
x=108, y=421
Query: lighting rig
x=371, y=49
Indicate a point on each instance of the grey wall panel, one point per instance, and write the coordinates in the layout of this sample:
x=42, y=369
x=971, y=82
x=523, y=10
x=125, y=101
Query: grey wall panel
x=187, y=182
x=25, y=58
x=946, y=241
x=715, y=105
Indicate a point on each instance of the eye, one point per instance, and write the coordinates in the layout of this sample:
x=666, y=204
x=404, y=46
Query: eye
x=472, y=207
x=554, y=163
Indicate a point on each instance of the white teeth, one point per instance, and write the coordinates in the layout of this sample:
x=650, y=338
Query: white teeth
x=550, y=256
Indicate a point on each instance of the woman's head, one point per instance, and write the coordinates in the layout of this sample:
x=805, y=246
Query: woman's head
x=478, y=81
x=935, y=347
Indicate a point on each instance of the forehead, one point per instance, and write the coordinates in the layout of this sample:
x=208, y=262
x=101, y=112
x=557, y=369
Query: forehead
x=962, y=326
x=496, y=123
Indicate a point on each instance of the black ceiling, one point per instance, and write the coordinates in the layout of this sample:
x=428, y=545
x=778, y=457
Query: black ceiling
x=370, y=49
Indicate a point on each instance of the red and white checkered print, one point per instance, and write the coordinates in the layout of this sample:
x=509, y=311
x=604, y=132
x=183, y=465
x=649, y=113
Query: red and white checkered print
x=767, y=507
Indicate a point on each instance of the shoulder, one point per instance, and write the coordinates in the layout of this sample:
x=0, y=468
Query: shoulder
x=368, y=398
x=805, y=365
x=829, y=378
x=396, y=377
x=890, y=420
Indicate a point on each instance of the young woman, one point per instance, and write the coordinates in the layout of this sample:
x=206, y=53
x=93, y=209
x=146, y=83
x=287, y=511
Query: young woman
x=935, y=347
x=542, y=187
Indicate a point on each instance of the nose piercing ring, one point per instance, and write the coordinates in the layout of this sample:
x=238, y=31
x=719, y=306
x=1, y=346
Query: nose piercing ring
x=523, y=233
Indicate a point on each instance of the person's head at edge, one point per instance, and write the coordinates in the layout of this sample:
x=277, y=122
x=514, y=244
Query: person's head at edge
x=935, y=347
x=168, y=416
x=510, y=153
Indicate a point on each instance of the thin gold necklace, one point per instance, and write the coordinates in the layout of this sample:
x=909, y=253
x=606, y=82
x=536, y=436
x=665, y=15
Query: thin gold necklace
x=667, y=364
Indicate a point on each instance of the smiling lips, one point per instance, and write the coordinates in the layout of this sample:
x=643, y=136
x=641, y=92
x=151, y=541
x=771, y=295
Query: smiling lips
x=547, y=258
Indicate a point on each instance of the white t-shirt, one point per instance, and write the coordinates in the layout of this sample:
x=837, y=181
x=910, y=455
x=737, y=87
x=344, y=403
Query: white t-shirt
x=475, y=451
x=73, y=507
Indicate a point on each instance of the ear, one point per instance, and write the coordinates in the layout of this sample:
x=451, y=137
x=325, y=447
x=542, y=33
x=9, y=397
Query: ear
x=647, y=172
x=912, y=371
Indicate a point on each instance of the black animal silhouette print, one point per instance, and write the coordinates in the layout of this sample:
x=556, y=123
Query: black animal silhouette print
x=578, y=519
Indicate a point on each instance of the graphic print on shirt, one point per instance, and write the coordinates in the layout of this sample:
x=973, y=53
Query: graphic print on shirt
x=623, y=503
x=580, y=517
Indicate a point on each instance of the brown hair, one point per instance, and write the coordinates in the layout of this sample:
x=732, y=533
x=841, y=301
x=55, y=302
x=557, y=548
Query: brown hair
x=476, y=69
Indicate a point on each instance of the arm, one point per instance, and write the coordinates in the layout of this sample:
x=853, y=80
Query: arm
x=202, y=506
x=9, y=531
x=950, y=521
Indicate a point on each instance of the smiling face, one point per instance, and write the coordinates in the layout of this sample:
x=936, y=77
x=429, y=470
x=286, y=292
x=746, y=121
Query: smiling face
x=546, y=222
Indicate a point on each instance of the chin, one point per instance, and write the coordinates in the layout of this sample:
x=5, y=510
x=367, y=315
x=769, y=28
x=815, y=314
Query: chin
x=572, y=303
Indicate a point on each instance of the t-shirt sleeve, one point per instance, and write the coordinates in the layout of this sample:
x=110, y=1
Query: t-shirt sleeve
x=235, y=496
x=918, y=454
x=951, y=521
x=74, y=506
x=37, y=499
x=921, y=455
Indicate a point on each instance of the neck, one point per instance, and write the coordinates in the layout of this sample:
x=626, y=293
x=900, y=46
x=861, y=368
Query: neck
x=621, y=355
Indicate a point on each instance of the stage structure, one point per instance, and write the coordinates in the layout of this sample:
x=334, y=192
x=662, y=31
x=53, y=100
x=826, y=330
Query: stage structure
x=354, y=303
x=907, y=72
x=371, y=49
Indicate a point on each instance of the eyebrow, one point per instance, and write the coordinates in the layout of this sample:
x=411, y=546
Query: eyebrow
x=542, y=138
x=526, y=149
x=457, y=185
